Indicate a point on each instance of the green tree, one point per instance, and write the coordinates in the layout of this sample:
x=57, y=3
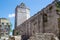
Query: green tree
x=58, y=6
x=11, y=27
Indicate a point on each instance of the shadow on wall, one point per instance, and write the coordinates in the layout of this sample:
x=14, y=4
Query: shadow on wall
x=25, y=37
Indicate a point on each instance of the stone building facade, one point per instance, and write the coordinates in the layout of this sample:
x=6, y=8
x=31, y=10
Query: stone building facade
x=4, y=28
x=45, y=21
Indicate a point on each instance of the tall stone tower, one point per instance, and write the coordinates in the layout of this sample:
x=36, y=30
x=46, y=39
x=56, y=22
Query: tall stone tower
x=22, y=13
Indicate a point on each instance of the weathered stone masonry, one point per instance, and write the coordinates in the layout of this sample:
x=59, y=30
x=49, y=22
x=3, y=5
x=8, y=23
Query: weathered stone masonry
x=45, y=21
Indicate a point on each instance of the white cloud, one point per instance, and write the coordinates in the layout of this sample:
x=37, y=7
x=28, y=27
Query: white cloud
x=11, y=15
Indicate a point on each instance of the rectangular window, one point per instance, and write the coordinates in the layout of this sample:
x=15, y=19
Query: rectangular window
x=44, y=17
x=16, y=33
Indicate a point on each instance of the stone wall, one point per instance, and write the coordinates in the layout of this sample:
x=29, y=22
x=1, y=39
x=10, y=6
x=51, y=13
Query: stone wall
x=43, y=36
x=39, y=23
x=15, y=37
x=44, y=21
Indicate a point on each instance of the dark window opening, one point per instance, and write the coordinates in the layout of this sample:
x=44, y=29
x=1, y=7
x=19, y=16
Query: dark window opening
x=33, y=31
x=35, y=23
x=25, y=37
x=50, y=8
x=2, y=23
x=44, y=17
x=17, y=33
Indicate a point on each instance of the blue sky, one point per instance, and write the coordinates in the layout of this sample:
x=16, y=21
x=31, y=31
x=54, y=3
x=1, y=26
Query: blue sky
x=7, y=7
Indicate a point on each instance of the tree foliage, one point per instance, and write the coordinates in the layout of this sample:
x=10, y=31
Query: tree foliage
x=58, y=6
